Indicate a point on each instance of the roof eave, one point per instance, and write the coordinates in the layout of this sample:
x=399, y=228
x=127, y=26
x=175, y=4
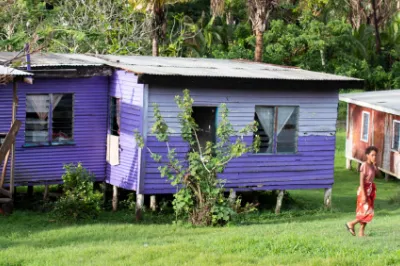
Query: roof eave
x=369, y=105
x=144, y=78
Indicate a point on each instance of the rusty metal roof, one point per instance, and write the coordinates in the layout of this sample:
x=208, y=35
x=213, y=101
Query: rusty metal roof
x=202, y=67
x=171, y=66
x=8, y=71
x=51, y=59
x=385, y=101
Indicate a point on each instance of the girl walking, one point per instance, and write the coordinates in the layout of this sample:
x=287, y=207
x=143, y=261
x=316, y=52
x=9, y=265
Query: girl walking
x=366, y=193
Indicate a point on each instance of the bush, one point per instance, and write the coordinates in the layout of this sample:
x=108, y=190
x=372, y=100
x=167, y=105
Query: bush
x=200, y=193
x=80, y=201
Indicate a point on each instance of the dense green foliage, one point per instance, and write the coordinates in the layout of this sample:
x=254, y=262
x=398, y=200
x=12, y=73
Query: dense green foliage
x=79, y=200
x=321, y=35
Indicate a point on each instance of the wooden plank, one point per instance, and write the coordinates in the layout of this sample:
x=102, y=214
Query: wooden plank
x=5, y=192
x=9, y=140
x=13, y=120
x=4, y=200
x=4, y=171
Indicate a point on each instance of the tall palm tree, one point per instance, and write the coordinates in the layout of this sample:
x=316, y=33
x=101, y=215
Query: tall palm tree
x=259, y=11
x=217, y=7
x=156, y=10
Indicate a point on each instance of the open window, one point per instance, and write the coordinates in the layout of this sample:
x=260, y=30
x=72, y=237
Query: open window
x=396, y=136
x=365, y=126
x=2, y=138
x=206, y=119
x=49, y=119
x=277, y=128
x=114, y=131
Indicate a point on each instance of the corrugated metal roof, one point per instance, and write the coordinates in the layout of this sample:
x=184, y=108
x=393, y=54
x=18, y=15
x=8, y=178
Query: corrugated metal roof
x=8, y=71
x=52, y=59
x=385, y=101
x=201, y=67
x=171, y=66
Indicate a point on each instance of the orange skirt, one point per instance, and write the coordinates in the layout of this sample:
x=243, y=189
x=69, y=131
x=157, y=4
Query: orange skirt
x=365, y=211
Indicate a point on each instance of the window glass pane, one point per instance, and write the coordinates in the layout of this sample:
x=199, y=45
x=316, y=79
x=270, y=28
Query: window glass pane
x=396, y=140
x=365, y=127
x=287, y=129
x=115, y=116
x=2, y=138
x=36, y=120
x=205, y=118
x=62, y=120
x=265, y=117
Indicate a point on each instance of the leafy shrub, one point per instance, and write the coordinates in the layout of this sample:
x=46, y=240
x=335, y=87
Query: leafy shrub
x=80, y=201
x=200, y=193
x=129, y=203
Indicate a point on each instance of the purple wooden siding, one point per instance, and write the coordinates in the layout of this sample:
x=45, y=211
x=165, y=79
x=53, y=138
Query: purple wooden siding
x=311, y=167
x=44, y=165
x=124, y=85
x=5, y=110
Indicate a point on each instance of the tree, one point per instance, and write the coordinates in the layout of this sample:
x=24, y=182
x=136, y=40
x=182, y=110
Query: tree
x=200, y=194
x=73, y=26
x=158, y=19
x=217, y=7
x=259, y=11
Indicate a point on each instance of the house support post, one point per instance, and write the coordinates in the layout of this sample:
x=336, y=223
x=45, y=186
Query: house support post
x=348, y=164
x=279, y=201
x=46, y=193
x=232, y=197
x=115, y=199
x=30, y=191
x=153, y=203
x=139, y=206
x=13, y=118
x=387, y=177
x=328, y=198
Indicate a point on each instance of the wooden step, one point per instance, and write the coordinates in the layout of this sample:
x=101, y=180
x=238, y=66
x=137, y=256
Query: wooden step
x=5, y=200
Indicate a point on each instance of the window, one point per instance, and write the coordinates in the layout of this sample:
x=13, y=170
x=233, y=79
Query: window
x=2, y=138
x=114, y=131
x=49, y=119
x=115, y=107
x=206, y=119
x=365, y=126
x=396, y=135
x=277, y=128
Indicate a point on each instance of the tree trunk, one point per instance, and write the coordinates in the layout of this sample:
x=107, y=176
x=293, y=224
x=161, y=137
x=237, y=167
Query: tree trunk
x=377, y=34
x=229, y=18
x=155, y=46
x=259, y=47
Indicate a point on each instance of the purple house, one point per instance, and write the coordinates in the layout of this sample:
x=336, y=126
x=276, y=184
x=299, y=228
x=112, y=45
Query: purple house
x=85, y=109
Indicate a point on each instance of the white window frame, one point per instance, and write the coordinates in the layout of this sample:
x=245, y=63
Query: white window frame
x=394, y=135
x=362, y=126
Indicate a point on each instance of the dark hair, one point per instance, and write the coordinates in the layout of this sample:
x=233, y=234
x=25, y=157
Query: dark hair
x=371, y=149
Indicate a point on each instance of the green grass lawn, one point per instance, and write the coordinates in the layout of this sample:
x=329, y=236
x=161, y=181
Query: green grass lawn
x=308, y=236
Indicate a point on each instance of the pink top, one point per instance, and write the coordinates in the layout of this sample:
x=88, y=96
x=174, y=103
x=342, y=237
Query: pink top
x=369, y=172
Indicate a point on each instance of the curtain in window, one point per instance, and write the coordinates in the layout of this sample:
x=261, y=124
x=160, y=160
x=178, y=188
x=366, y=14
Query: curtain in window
x=284, y=114
x=286, y=129
x=56, y=100
x=266, y=119
x=38, y=104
